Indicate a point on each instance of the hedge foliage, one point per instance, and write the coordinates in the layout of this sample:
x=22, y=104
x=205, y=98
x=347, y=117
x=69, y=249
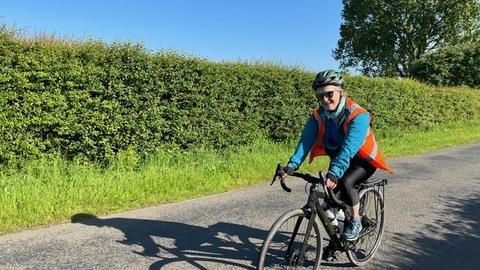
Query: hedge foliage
x=90, y=100
x=410, y=104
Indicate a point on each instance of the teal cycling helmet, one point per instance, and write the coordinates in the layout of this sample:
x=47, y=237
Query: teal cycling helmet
x=328, y=77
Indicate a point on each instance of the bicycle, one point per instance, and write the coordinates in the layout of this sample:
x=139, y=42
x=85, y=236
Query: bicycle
x=295, y=238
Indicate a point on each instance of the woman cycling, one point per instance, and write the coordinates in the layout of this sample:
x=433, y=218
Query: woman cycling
x=340, y=129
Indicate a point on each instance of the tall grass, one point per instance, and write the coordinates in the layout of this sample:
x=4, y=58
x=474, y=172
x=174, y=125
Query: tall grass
x=51, y=190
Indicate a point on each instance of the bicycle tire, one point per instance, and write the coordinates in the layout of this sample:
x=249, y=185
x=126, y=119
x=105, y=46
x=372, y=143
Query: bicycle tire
x=359, y=252
x=273, y=254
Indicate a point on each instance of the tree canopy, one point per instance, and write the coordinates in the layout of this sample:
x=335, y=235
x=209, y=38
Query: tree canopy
x=450, y=66
x=384, y=38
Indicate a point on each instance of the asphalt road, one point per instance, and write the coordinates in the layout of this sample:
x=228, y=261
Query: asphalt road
x=432, y=223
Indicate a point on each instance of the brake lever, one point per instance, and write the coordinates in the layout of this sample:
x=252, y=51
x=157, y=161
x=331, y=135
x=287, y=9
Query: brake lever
x=322, y=180
x=274, y=178
x=329, y=194
x=279, y=172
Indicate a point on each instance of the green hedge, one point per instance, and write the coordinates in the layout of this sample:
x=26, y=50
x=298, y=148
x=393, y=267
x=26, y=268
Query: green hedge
x=90, y=100
x=409, y=104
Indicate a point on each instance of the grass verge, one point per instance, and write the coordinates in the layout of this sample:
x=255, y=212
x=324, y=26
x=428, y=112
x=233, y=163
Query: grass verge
x=51, y=190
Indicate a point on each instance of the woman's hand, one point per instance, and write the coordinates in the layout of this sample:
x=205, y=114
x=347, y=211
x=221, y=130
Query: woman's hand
x=286, y=171
x=330, y=184
x=331, y=181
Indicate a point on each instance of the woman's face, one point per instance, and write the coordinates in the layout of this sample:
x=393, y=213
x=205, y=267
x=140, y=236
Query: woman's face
x=329, y=96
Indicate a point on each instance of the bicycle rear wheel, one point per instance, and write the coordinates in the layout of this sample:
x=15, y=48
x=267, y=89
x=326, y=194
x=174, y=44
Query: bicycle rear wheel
x=283, y=244
x=359, y=252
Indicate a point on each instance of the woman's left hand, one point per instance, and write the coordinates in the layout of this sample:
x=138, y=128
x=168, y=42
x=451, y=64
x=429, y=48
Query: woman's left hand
x=330, y=184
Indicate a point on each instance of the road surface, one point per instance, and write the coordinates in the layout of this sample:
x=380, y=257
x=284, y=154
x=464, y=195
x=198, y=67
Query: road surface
x=432, y=223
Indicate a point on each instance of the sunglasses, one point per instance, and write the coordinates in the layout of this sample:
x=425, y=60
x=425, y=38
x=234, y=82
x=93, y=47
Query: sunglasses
x=329, y=94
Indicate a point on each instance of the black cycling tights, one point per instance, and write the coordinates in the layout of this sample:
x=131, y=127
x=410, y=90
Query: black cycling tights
x=358, y=172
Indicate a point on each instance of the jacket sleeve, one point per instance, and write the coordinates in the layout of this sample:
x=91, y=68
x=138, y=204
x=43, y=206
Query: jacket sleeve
x=356, y=132
x=309, y=134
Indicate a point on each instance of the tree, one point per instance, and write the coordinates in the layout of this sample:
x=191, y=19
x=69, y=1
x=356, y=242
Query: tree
x=383, y=38
x=450, y=66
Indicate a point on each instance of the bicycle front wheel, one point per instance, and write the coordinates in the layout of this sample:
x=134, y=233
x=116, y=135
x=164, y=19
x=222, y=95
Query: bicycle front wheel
x=283, y=245
x=373, y=221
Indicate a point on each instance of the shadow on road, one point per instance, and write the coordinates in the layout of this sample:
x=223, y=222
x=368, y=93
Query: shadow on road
x=222, y=243
x=444, y=245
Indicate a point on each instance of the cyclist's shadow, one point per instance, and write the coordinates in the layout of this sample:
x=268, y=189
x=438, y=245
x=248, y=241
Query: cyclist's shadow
x=223, y=243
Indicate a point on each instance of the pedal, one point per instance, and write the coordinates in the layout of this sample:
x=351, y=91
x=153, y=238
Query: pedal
x=329, y=255
x=330, y=258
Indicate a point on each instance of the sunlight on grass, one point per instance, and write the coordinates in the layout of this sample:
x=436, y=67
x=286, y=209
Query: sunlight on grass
x=401, y=142
x=51, y=190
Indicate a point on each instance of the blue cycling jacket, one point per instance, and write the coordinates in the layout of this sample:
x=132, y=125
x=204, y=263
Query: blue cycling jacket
x=340, y=146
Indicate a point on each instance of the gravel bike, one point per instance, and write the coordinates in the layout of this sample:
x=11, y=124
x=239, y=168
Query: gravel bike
x=295, y=239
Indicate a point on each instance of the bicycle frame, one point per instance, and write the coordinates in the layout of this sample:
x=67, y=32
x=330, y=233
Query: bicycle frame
x=314, y=208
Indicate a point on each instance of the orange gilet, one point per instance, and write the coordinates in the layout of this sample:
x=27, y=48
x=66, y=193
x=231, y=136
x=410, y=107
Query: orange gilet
x=368, y=151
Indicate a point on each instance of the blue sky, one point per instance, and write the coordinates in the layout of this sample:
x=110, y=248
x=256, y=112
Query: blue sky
x=290, y=32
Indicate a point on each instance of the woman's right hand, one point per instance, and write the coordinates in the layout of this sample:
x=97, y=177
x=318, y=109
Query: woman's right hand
x=286, y=171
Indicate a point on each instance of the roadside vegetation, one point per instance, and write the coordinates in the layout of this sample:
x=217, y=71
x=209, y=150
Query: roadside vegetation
x=91, y=127
x=52, y=190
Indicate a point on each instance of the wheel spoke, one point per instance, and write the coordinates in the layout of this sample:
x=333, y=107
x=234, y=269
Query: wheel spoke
x=371, y=210
x=283, y=244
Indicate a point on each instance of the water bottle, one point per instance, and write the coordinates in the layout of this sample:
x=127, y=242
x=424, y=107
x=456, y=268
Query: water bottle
x=340, y=217
x=330, y=214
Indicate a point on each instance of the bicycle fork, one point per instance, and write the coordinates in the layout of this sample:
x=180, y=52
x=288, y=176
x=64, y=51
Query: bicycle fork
x=297, y=259
x=310, y=213
x=309, y=209
x=312, y=209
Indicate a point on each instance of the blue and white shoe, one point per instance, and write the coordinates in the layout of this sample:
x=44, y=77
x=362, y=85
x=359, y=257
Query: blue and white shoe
x=353, y=229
